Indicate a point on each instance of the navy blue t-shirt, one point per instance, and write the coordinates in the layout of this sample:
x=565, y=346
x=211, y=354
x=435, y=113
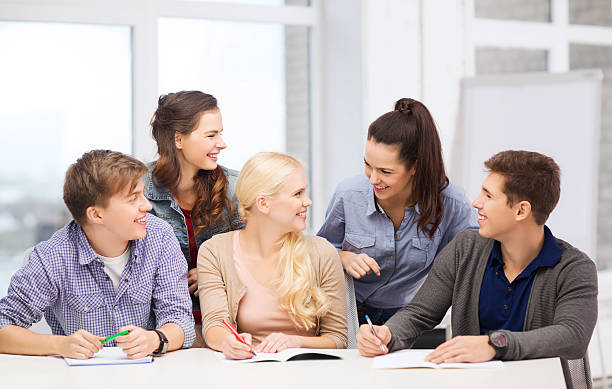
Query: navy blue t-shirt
x=503, y=304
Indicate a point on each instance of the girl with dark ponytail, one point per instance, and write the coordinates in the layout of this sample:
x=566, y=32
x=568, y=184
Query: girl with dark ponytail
x=389, y=224
x=186, y=186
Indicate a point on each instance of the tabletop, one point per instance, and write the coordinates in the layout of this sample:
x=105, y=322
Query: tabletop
x=202, y=368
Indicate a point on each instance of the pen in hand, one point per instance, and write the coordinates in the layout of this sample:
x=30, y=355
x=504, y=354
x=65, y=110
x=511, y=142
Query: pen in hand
x=114, y=336
x=382, y=348
x=237, y=336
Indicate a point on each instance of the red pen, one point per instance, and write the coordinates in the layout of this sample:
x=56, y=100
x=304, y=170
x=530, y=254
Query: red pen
x=235, y=333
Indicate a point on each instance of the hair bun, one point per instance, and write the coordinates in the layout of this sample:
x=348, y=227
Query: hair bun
x=404, y=105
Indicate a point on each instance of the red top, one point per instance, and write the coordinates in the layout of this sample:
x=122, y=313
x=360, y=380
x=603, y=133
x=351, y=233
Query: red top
x=193, y=254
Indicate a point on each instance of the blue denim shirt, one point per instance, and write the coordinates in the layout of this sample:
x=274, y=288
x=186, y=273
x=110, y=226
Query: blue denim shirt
x=166, y=208
x=353, y=222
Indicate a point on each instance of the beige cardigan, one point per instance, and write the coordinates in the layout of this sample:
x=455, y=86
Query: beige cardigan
x=220, y=289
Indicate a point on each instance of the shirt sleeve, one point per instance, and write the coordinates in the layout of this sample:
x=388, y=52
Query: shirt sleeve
x=30, y=292
x=574, y=320
x=333, y=323
x=461, y=216
x=429, y=305
x=211, y=289
x=333, y=227
x=171, y=301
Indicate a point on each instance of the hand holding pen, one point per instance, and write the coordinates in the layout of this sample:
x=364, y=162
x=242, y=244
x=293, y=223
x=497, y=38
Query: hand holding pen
x=234, y=344
x=371, y=340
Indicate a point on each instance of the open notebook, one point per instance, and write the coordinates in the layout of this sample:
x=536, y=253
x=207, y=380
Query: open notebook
x=290, y=354
x=108, y=356
x=416, y=359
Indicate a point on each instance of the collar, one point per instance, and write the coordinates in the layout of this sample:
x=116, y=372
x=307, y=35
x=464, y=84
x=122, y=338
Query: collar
x=151, y=191
x=549, y=255
x=374, y=207
x=85, y=252
x=87, y=255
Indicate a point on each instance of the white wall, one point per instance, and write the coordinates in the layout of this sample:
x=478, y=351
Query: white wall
x=375, y=52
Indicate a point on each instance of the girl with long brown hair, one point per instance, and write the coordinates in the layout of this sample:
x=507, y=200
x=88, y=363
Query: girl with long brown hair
x=389, y=224
x=185, y=185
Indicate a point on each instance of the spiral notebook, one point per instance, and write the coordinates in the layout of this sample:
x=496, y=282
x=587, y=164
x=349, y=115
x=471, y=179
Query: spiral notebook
x=108, y=356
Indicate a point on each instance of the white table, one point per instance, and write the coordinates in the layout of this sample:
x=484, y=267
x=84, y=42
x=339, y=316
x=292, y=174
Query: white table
x=199, y=368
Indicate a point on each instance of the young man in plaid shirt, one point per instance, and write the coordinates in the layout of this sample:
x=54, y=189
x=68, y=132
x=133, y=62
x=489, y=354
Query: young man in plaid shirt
x=113, y=268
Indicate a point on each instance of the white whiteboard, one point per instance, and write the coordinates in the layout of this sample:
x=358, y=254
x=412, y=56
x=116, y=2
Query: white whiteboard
x=554, y=114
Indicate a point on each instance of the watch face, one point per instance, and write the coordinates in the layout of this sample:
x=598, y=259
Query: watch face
x=498, y=339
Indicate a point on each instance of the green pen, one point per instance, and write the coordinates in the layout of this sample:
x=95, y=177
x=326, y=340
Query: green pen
x=114, y=336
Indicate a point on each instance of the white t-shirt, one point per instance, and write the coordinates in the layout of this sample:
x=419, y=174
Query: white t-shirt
x=113, y=267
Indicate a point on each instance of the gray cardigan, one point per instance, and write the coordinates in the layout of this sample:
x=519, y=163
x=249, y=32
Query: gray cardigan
x=561, y=312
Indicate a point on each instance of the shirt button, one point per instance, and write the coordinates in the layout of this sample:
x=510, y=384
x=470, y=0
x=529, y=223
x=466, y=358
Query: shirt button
x=126, y=280
x=427, y=247
x=509, y=289
x=107, y=278
x=505, y=307
x=116, y=307
x=496, y=273
x=85, y=309
x=397, y=236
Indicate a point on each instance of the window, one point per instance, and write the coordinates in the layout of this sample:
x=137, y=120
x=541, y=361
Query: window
x=257, y=71
x=66, y=89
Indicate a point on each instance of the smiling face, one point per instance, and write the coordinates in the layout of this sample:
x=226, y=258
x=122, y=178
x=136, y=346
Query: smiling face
x=199, y=149
x=388, y=175
x=495, y=217
x=288, y=207
x=124, y=216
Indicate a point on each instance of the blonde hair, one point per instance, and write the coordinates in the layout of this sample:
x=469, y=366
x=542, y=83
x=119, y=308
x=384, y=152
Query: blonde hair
x=298, y=294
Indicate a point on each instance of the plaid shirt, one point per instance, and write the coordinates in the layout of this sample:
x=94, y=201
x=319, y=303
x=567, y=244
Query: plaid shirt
x=65, y=280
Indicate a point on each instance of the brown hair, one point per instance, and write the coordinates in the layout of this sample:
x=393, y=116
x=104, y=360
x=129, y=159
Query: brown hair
x=181, y=112
x=95, y=177
x=411, y=127
x=529, y=176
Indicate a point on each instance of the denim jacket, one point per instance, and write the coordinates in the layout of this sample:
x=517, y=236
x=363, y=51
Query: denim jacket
x=166, y=208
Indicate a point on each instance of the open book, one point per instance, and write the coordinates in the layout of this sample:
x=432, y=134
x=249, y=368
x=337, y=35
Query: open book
x=290, y=354
x=108, y=356
x=416, y=358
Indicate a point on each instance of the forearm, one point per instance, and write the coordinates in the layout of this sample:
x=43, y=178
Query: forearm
x=214, y=337
x=19, y=340
x=550, y=341
x=175, y=335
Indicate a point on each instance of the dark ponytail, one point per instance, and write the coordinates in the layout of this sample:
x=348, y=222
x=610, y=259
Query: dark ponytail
x=411, y=127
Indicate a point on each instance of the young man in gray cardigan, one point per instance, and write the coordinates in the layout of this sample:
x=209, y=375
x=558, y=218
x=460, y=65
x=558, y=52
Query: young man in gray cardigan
x=517, y=292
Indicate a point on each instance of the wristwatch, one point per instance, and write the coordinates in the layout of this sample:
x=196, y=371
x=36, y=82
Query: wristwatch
x=499, y=342
x=163, y=343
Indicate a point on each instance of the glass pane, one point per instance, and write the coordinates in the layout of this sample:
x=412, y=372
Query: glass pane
x=258, y=72
x=525, y=10
x=66, y=89
x=589, y=57
x=303, y=3
x=492, y=60
x=596, y=12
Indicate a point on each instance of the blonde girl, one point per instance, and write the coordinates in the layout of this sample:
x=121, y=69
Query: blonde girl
x=279, y=288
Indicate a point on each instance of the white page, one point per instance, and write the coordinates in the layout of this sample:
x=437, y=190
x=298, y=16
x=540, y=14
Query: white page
x=281, y=356
x=108, y=356
x=416, y=358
